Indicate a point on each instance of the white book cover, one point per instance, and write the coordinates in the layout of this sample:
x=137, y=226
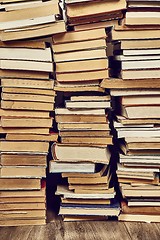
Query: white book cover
x=42, y=55
x=136, y=58
x=64, y=111
x=89, y=105
x=27, y=22
x=145, y=52
x=141, y=65
x=26, y=65
x=56, y=167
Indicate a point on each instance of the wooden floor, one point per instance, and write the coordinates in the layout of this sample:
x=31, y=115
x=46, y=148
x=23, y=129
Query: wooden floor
x=59, y=230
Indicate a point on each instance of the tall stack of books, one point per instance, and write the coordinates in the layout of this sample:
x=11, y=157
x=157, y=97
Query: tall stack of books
x=30, y=19
x=27, y=99
x=137, y=106
x=83, y=154
x=138, y=170
x=83, y=158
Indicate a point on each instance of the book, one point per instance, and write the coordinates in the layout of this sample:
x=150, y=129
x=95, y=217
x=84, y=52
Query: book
x=26, y=54
x=70, y=218
x=90, y=98
x=27, y=97
x=138, y=111
x=25, y=83
x=26, y=65
x=140, y=44
x=28, y=122
x=22, y=206
x=78, y=154
x=87, y=140
x=79, y=46
x=120, y=34
x=70, y=37
x=82, y=76
x=98, y=173
x=30, y=93
x=19, y=214
x=39, y=31
x=29, y=130
x=101, y=24
x=62, y=190
x=83, y=65
x=80, y=118
x=120, y=84
x=22, y=5
x=100, y=210
x=139, y=210
x=32, y=137
x=128, y=65
x=22, y=222
x=22, y=159
x=135, y=92
x=58, y=167
x=91, y=9
x=15, y=146
x=142, y=18
x=138, y=217
x=140, y=100
x=12, y=74
x=85, y=201
x=37, y=106
x=20, y=184
x=64, y=111
x=87, y=104
x=22, y=172
x=97, y=53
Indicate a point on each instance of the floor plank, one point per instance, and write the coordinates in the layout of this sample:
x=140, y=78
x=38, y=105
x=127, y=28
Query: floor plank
x=142, y=231
x=158, y=225
x=158, y=228
x=15, y=233
x=97, y=230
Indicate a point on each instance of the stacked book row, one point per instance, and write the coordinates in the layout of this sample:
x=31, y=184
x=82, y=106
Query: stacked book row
x=27, y=101
x=83, y=155
x=84, y=158
x=27, y=106
x=135, y=61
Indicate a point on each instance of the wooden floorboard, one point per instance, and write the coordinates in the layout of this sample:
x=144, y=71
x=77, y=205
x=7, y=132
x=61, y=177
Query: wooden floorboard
x=97, y=230
x=143, y=231
x=158, y=228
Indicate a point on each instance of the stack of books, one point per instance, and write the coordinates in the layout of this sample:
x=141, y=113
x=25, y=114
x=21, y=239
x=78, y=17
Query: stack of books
x=142, y=13
x=83, y=121
x=81, y=60
x=83, y=158
x=29, y=19
x=135, y=61
x=138, y=170
x=88, y=13
x=27, y=99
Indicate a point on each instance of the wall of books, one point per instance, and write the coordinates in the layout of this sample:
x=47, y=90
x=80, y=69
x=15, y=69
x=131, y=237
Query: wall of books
x=80, y=110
